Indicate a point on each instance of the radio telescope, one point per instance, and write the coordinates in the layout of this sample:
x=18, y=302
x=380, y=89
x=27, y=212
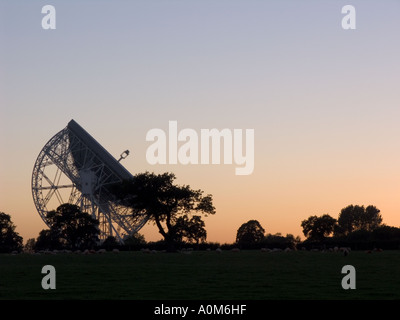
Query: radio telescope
x=74, y=168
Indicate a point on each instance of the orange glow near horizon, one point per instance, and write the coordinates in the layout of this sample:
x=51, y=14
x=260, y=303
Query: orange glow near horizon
x=280, y=207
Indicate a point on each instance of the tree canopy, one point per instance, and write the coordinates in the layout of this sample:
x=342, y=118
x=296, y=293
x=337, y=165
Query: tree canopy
x=353, y=218
x=69, y=228
x=192, y=230
x=250, y=233
x=166, y=204
x=317, y=228
x=10, y=240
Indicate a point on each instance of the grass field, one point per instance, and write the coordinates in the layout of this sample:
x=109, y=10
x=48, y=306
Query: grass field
x=249, y=275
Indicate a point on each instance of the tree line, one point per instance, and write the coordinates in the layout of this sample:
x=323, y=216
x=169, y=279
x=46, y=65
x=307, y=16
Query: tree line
x=177, y=213
x=357, y=226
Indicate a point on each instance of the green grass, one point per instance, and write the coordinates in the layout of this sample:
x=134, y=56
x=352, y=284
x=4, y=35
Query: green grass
x=201, y=275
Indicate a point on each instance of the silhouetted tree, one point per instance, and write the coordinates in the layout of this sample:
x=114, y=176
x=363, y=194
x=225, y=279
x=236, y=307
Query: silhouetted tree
x=48, y=239
x=192, y=230
x=387, y=233
x=279, y=241
x=353, y=218
x=250, y=233
x=135, y=241
x=317, y=228
x=74, y=228
x=157, y=197
x=110, y=243
x=30, y=245
x=10, y=240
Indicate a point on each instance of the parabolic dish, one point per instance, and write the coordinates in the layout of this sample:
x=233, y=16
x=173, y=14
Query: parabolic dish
x=74, y=168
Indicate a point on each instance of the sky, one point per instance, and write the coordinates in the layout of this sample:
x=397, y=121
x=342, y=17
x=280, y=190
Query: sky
x=323, y=101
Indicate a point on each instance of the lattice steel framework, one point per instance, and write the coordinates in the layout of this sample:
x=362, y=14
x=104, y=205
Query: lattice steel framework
x=74, y=168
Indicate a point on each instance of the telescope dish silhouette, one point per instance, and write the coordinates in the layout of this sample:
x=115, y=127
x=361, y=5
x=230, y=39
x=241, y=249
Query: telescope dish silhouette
x=74, y=168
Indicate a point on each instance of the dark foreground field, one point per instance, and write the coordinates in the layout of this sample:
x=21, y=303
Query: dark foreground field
x=202, y=275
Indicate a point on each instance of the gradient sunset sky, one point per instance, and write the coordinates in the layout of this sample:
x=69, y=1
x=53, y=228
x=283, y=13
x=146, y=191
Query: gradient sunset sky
x=324, y=102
